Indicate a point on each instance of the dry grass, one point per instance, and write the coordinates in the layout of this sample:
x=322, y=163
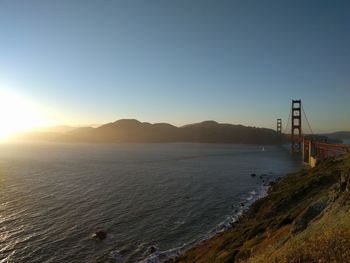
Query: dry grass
x=331, y=245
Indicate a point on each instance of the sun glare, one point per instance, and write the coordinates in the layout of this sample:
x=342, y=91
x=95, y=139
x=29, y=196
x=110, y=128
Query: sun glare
x=18, y=115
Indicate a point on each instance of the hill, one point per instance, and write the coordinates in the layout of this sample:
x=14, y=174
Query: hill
x=129, y=130
x=304, y=218
x=341, y=135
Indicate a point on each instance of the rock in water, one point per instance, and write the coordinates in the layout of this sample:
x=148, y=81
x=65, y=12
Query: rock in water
x=253, y=175
x=100, y=234
x=152, y=249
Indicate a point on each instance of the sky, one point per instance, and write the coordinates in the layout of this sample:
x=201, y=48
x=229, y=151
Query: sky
x=241, y=62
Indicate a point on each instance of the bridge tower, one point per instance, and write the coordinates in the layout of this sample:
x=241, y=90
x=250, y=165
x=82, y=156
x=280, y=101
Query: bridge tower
x=279, y=125
x=296, y=126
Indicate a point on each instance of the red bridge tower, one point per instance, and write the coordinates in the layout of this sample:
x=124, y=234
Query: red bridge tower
x=296, y=126
x=279, y=125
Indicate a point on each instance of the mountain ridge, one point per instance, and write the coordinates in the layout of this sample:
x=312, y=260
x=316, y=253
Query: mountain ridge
x=132, y=130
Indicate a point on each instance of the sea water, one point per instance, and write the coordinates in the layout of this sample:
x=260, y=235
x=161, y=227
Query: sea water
x=153, y=200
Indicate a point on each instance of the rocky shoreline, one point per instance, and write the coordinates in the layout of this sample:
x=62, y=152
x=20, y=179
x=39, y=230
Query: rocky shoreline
x=304, y=218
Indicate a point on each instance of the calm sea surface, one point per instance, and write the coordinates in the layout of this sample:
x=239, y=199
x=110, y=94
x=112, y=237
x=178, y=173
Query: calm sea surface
x=148, y=197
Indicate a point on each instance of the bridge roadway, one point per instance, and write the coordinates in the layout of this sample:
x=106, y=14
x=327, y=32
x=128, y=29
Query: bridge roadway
x=314, y=151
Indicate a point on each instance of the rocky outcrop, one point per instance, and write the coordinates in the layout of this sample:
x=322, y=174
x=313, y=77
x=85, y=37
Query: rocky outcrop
x=312, y=211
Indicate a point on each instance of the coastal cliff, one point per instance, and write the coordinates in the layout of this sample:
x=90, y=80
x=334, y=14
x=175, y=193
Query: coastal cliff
x=305, y=217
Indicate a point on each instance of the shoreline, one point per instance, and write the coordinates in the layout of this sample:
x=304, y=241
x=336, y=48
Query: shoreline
x=174, y=253
x=295, y=210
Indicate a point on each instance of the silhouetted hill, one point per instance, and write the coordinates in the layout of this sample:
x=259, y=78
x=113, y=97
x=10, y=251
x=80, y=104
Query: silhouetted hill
x=212, y=132
x=129, y=130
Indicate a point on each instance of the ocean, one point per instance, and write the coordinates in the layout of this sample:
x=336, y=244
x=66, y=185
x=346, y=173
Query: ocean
x=153, y=200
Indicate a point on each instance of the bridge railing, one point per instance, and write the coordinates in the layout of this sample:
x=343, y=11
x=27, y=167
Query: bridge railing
x=333, y=146
x=314, y=151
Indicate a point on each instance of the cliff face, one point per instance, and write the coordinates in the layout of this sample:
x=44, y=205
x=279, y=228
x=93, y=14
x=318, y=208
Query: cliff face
x=304, y=218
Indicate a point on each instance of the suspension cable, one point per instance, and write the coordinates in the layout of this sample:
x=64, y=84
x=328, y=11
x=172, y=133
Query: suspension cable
x=290, y=113
x=307, y=119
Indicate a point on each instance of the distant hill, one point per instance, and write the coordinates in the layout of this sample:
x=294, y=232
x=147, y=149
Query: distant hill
x=341, y=135
x=322, y=138
x=58, y=129
x=129, y=130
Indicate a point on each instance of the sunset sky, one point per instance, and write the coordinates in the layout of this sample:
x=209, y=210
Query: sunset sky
x=242, y=62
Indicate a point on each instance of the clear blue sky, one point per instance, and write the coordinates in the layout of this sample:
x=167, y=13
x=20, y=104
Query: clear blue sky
x=180, y=61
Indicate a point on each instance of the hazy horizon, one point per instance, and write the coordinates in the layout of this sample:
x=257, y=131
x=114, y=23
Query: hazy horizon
x=96, y=125
x=81, y=62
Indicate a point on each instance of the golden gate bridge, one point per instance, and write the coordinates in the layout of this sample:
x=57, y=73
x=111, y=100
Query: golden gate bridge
x=312, y=148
